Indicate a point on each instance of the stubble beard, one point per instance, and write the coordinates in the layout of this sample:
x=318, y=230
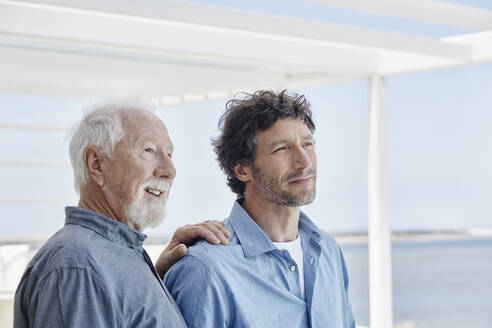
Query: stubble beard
x=270, y=190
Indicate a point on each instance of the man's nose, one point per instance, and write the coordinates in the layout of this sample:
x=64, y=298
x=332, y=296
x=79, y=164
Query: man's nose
x=165, y=168
x=302, y=159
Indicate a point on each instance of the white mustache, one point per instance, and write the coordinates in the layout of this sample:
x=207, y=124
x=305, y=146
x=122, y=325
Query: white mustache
x=160, y=185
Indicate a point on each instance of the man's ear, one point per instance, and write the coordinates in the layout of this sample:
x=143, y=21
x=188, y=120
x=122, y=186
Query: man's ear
x=93, y=162
x=243, y=172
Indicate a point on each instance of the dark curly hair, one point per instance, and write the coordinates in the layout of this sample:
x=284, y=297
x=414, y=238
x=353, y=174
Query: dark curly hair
x=246, y=115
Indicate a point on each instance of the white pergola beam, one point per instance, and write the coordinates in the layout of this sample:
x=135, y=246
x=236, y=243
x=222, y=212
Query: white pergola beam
x=185, y=16
x=78, y=47
x=434, y=12
x=46, y=24
x=480, y=42
x=380, y=281
x=43, y=72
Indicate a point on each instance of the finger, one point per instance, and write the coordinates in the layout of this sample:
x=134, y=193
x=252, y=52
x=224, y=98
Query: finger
x=214, y=222
x=219, y=233
x=188, y=234
x=178, y=252
x=168, y=258
x=200, y=231
x=181, y=235
x=171, y=245
x=221, y=227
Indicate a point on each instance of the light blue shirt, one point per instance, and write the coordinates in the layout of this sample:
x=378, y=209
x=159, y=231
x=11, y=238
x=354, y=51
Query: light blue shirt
x=250, y=283
x=93, y=273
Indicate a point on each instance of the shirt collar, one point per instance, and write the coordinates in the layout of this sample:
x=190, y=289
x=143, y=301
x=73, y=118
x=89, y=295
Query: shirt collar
x=253, y=240
x=308, y=226
x=106, y=227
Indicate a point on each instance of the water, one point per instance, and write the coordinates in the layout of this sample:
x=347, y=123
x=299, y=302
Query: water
x=435, y=283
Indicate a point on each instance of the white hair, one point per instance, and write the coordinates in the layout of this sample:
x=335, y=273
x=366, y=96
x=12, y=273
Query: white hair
x=100, y=127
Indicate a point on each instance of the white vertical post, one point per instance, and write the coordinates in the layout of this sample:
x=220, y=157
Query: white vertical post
x=380, y=283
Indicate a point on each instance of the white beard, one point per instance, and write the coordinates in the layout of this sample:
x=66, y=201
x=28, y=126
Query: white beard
x=144, y=213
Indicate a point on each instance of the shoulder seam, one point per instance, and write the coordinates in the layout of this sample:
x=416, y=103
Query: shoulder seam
x=201, y=259
x=68, y=267
x=204, y=262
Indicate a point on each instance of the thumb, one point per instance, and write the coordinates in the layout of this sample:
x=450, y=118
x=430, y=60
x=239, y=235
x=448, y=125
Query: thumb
x=167, y=259
x=177, y=253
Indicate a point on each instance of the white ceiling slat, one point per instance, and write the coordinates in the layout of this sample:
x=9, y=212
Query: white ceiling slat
x=33, y=164
x=33, y=128
x=87, y=55
x=183, y=38
x=181, y=17
x=481, y=43
x=178, y=51
x=38, y=71
x=37, y=201
x=435, y=12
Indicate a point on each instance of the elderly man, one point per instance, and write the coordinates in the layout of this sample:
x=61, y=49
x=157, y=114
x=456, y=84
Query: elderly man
x=94, y=271
x=279, y=269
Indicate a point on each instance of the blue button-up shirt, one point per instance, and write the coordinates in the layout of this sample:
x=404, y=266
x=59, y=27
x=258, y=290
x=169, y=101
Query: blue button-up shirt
x=250, y=283
x=93, y=273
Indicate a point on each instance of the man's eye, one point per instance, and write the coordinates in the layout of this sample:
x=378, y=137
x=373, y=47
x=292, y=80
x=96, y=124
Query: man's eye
x=308, y=144
x=149, y=150
x=279, y=149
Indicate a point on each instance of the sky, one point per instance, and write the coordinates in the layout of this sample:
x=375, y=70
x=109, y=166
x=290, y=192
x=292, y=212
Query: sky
x=439, y=147
x=312, y=11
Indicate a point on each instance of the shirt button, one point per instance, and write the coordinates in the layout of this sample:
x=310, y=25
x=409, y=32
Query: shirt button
x=131, y=246
x=292, y=268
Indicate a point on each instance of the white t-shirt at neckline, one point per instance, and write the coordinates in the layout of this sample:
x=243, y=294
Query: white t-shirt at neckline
x=295, y=251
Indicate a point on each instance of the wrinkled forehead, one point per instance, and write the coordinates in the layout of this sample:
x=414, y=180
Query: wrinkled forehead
x=139, y=124
x=285, y=128
x=132, y=118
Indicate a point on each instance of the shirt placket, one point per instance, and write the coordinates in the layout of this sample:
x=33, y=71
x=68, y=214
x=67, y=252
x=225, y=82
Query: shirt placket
x=291, y=271
x=312, y=251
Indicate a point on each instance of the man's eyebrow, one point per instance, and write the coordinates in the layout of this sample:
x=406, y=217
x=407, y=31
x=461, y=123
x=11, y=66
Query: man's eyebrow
x=279, y=142
x=154, y=140
x=276, y=143
x=308, y=137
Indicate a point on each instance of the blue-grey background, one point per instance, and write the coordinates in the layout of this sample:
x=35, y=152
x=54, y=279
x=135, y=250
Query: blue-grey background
x=439, y=147
x=445, y=284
